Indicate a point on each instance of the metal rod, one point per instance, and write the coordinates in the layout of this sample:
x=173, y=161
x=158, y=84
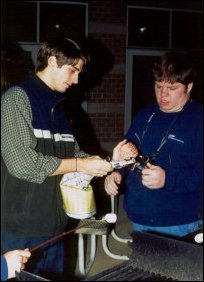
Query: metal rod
x=59, y=236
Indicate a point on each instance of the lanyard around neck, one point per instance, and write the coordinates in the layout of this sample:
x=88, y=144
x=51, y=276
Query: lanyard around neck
x=166, y=133
x=164, y=137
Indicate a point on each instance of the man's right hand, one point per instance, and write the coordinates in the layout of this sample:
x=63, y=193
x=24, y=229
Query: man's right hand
x=111, y=182
x=94, y=166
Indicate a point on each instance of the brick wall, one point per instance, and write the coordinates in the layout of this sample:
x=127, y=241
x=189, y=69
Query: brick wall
x=107, y=23
x=107, y=11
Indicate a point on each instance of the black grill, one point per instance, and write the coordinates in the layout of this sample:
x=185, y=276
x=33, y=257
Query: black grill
x=153, y=258
x=157, y=258
x=127, y=272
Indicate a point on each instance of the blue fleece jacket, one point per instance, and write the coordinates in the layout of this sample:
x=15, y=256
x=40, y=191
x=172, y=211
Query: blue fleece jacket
x=180, y=200
x=4, y=269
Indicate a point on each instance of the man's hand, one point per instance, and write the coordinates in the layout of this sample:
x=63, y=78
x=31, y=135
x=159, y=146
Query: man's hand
x=111, y=182
x=153, y=177
x=94, y=166
x=16, y=261
x=124, y=151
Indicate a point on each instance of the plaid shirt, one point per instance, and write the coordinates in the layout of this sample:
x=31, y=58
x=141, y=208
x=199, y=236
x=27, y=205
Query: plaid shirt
x=18, y=141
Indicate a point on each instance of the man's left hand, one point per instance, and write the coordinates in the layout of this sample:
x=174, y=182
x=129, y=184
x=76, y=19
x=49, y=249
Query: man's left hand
x=153, y=177
x=124, y=151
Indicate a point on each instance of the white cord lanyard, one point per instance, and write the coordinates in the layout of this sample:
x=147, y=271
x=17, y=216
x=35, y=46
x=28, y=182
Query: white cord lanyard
x=165, y=135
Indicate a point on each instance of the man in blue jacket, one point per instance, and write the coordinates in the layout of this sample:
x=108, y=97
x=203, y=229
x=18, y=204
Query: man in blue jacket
x=164, y=192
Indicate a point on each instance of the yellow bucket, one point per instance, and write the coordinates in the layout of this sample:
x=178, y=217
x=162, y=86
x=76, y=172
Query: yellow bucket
x=78, y=203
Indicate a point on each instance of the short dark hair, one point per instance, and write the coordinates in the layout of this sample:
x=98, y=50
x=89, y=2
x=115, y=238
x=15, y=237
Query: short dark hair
x=66, y=51
x=174, y=67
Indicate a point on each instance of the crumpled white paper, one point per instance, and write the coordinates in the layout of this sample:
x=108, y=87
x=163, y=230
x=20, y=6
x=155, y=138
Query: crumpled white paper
x=82, y=181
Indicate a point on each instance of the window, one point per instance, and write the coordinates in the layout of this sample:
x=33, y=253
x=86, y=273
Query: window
x=62, y=20
x=37, y=21
x=187, y=30
x=18, y=21
x=164, y=28
x=148, y=28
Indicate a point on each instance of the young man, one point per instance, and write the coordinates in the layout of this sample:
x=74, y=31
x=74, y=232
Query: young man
x=37, y=149
x=165, y=194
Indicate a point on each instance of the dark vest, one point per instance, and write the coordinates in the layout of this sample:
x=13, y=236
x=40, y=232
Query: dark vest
x=31, y=209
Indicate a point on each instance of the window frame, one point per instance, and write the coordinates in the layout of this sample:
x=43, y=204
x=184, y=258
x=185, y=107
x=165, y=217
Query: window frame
x=170, y=10
x=38, y=42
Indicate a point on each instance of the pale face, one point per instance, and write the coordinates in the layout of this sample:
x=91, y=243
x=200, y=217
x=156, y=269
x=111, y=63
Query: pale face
x=172, y=97
x=60, y=79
